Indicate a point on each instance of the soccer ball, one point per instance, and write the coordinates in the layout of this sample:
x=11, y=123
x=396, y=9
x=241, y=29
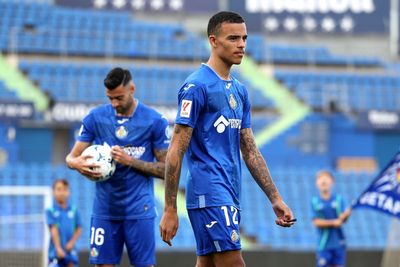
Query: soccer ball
x=101, y=155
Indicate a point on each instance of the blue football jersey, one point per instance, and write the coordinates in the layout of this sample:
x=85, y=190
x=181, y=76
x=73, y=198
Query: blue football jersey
x=128, y=194
x=329, y=238
x=67, y=221
x=216, y=109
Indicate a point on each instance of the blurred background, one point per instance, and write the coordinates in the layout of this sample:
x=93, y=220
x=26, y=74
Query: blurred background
x=323, y=79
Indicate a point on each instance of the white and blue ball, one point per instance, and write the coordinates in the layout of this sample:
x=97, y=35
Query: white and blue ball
x=101, y=155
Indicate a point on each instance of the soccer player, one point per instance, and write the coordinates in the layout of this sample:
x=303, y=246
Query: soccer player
x=65, y=227
x=213, y=126
x=328, y=216
x=123, y=209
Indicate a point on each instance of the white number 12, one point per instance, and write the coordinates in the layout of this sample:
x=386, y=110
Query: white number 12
x=234, y=216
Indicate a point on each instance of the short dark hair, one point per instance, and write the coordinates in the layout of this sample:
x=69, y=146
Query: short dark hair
x=61, y=181
x=224, y=16
x=116, y=77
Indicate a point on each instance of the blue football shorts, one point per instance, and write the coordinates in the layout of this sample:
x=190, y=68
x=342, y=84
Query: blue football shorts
x=107, y=239
x=329, y=257
x=71, y=257
x=216, y=229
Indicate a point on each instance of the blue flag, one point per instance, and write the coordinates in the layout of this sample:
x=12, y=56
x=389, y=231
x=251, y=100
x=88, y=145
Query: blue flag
x=384, y=192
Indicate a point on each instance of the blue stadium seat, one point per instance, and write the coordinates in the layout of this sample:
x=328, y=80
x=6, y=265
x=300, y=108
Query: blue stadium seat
x=354, y=91
x=81, y=32
x=155, y=85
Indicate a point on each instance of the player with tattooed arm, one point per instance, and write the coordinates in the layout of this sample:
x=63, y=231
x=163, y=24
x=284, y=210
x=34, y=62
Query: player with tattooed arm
x=212, y=127
x=123, y=207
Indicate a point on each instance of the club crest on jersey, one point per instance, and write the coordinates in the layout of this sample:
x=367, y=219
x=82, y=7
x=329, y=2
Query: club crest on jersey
x=121, y=132
x=234, y=236
x=232, y=101
x=322, y=261
x=94, y=253
x=70, y=214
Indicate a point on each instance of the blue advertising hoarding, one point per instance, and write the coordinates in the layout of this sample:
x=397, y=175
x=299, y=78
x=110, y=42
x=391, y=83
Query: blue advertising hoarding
x=320, y=16
x=145, y=5
x=379, y=120
x=16, y=110
x=272, y=16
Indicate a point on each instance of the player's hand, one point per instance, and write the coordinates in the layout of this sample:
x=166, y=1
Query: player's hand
x=120, y=156
x=345, y=215
x=337, y=223
x=60, y=253
x=283, y=213
x=87, y=169
x=169, y=226
x=69, y=246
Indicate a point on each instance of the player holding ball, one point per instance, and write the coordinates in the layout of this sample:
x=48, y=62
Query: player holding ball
x=123, y=208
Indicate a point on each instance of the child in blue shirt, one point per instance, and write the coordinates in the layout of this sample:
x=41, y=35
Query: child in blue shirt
x=65, y=227
x=328, y=216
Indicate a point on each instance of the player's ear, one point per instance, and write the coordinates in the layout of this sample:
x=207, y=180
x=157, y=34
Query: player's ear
x=132, y=87
x=213, y=40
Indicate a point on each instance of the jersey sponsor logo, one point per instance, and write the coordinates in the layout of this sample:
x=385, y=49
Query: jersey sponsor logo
x=228, y=85
x=232, y=101
x=235, y=123
x=56, y=213
x=211, y=224
x=186, y=107
x=234, y=236
x=187, y=87
x=121, y=132
x=221, y=123
x=135, y=152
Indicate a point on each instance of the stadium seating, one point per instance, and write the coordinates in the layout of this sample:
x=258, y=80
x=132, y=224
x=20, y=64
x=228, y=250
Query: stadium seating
x=48, y=29
x=42, y=29
x=156, y=84
x=349, y=91
x=365, y=229
x=290, y=54
x=82, y=193
x=6, y=94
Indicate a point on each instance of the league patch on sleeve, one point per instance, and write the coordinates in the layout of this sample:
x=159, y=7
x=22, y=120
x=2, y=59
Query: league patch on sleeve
x=186, y=107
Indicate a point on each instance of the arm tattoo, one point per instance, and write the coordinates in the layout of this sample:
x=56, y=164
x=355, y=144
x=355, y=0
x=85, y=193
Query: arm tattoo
x=179, y=144
x=155, y=169
x=257, y=165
